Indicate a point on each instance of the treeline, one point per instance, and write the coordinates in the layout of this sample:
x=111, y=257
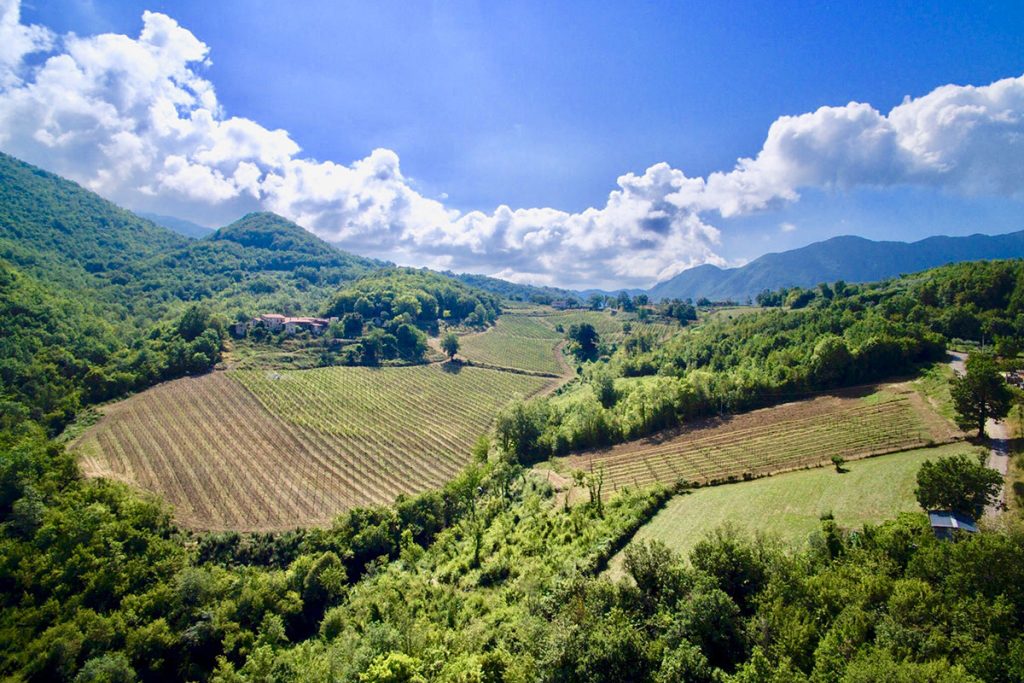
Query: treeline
x=60, y=352
x=981, y=301
x=755, y=360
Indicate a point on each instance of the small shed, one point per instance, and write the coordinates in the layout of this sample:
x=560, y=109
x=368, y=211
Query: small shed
x=945, y=523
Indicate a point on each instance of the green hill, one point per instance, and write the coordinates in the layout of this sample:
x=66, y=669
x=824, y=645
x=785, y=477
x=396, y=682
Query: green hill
x=59, y=230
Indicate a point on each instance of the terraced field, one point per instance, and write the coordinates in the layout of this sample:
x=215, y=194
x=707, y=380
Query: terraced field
x=792, y=436
x=267, y=450
x=520, y=342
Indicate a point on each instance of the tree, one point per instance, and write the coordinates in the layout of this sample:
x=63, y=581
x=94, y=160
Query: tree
x=585, y=339
x=980, y=394
x=352, y=325
x=412, y=343
x=450, y=345
x=838, y=461
x=831, y=361
x=958, y=483
x=395, y=667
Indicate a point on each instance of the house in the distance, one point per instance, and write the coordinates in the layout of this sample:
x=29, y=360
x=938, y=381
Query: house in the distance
x=275, y=322
x=946, y=524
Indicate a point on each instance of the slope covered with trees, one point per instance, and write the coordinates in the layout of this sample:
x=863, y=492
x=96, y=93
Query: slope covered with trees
x=832, y=336
x=419, y=297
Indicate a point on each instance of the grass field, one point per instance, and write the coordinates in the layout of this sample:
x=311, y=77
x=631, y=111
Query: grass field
x=852, y=424
x=790, y=506
x=520, y=342
x=253, y=449
x=933, y=384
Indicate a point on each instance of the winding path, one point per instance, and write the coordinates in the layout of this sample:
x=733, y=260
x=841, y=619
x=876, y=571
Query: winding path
x=999, y=439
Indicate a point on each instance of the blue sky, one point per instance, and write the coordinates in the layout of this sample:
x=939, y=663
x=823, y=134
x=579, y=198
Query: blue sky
x=547, y=104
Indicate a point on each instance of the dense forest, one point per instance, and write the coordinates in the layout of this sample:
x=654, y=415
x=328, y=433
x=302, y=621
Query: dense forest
x=419, y=297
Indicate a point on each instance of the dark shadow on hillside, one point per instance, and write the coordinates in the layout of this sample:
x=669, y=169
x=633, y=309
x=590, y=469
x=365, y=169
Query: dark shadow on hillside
x=453, y=367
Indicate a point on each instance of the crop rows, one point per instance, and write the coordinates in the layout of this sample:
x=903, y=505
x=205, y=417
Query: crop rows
x=299, y=447
x=659, y=331
x=609, y=327
x=757, y=444
x=531, y=327
x=516, y=342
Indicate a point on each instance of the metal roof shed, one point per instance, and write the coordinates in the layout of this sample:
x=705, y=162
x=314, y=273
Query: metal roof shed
x=945, y=523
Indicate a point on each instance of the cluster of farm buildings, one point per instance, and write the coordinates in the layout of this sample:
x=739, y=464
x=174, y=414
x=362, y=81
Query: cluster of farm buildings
x=275, y=322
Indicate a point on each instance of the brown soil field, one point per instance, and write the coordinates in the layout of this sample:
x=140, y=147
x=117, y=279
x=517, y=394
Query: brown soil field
x=854, y=423
x=298, y=448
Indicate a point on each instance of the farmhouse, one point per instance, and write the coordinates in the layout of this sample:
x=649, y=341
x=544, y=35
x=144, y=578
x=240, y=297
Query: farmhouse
x=275, y=322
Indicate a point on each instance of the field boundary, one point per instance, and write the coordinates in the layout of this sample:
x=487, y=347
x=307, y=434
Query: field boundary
x=851, y=423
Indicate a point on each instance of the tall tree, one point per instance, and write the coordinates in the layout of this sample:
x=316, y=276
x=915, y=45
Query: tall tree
x=450, y=345
x=957, y=483
x=585, y=340
x=980, y=393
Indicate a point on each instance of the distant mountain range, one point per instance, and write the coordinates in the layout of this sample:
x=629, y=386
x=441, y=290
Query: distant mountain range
x=849, y=258
x=63, y=233
x=179, y=225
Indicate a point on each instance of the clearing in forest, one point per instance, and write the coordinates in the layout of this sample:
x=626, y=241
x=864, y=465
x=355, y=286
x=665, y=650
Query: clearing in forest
x=790, y=506
x=852, y=423
x=262, y=450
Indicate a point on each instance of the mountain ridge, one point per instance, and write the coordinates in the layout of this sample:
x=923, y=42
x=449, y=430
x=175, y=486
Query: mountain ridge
x=845, y=257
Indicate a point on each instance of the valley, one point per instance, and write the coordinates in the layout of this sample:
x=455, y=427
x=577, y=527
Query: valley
x=252, y=456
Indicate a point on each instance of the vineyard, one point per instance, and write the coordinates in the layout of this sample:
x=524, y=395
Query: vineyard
x=520, y=342
x=265, y=450
x=869, y=491
x=796, y=435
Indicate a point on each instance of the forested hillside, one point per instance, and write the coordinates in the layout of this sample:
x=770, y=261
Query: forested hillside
x=832, y=336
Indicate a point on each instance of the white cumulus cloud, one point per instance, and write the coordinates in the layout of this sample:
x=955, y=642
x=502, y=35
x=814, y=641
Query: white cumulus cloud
x=137, y=120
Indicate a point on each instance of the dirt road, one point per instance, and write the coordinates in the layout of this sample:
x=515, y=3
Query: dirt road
x=999, y=438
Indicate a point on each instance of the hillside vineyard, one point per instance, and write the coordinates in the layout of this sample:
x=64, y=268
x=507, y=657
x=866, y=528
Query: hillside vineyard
x=245, y=454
